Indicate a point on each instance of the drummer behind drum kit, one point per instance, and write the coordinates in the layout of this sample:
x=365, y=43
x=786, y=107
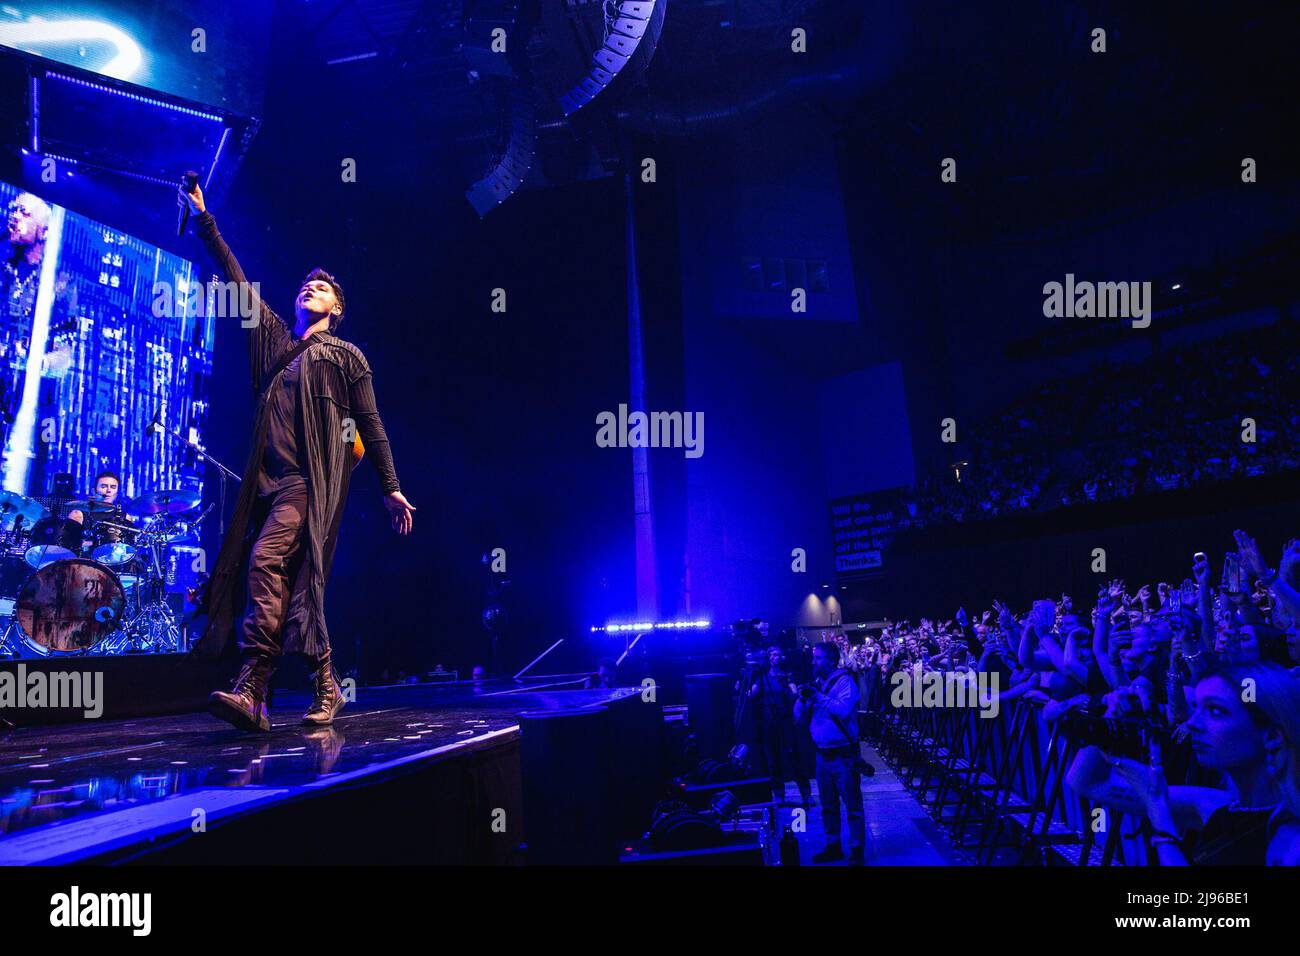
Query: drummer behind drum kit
x=98, y=588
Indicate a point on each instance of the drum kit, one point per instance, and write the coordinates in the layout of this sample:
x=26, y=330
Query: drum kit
x=99, y=585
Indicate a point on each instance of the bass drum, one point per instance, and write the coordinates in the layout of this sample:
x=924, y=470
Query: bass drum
x=70, y=606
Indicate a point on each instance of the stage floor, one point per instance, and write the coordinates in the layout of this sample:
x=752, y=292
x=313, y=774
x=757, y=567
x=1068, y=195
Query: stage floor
x=68, y=792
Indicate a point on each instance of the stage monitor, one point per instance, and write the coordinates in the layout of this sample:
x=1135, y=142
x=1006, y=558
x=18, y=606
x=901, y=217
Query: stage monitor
x=85, y=361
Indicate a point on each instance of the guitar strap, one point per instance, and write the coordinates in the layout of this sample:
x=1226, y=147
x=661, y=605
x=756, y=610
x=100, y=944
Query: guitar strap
x=358, y=447
x=287, y=358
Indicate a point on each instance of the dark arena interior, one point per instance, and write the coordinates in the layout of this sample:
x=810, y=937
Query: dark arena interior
x=603, y=436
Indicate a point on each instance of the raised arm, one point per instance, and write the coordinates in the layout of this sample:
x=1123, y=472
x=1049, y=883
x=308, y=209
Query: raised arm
x=1176, y=707
x=1026, y=648
x=1106, y=603
x=1053, y=651
x=1205, y=601
x=1032, y=653
x=1273, y=580
x=1070, y=663
x=268, y=335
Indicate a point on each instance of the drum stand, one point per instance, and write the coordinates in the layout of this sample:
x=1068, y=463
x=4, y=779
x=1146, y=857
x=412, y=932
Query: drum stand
x=153, y=627
x=148, y=623
x=10, y=632
x=8, y=646
x=119, y=642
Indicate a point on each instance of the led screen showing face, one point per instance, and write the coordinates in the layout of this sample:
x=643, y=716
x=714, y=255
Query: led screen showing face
x=87, y=359
x=211, y=53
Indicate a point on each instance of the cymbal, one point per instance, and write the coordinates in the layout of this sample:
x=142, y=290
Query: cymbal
x=174, y=502
x=13, y=504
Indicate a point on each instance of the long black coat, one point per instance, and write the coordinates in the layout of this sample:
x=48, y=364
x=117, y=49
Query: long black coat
x=334, y=384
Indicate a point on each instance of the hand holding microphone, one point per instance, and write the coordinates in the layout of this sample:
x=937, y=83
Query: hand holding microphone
x=190, y=200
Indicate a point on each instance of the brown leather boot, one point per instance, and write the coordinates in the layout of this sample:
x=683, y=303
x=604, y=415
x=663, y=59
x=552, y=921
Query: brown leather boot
x=244, y=705
x=328, y=699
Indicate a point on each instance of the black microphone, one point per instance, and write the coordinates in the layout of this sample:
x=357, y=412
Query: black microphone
x=156, y=425
x=199, y=520
x=191, y=181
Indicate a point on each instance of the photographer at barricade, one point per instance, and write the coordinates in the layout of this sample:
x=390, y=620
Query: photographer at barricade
x=829, y=708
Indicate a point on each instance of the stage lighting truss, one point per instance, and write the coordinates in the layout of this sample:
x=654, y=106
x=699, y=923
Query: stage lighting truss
x=632, y=29
x=60, y=101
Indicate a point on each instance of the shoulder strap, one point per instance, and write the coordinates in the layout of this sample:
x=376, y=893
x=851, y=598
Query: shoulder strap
x=288, y=357
x=833, y=678
x=839, y=724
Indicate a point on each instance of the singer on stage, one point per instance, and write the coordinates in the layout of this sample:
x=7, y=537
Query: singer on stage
x=314, y=396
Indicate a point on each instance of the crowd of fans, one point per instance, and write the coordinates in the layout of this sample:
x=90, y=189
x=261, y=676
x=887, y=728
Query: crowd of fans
x=1174, y=421
x=1206, y=673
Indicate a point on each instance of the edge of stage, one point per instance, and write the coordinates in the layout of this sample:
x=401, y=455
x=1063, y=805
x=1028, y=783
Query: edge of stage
x=129, y=685
x=415, y=773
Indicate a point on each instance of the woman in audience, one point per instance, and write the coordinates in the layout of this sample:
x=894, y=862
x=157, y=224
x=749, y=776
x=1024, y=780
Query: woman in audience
x=1245, y=724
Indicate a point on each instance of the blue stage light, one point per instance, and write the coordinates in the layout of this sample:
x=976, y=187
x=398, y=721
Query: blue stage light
x=216, y=158
x=643, y=626
x=136, y=97
x=36, y=115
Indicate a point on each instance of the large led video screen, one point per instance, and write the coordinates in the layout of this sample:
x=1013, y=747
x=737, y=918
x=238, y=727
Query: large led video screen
x=87, y=360
x=211, y=53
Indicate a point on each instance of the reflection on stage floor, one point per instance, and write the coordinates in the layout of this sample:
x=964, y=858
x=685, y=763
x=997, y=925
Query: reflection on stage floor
x=52, y=776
